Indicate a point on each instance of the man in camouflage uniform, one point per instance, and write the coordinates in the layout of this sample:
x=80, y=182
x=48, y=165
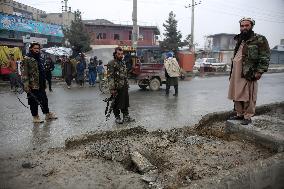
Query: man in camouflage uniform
x=33, y=77
x=49, y=67
x=251, y=60
x=118, y=84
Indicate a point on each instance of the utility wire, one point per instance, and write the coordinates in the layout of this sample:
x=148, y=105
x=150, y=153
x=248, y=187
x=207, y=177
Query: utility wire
x=250, y=11
x=240, y=15
x=247, y=7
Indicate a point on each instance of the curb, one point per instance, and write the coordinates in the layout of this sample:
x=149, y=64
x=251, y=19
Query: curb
x=262, y=174
x=257, y=135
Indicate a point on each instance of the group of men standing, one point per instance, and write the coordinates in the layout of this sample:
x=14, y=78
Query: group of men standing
x=75, y=68
x=250, y=61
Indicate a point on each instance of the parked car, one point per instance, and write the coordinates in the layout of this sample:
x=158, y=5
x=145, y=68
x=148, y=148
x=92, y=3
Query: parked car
x=209, y=65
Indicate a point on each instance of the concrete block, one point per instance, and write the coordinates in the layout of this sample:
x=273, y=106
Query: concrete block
x=266, y=137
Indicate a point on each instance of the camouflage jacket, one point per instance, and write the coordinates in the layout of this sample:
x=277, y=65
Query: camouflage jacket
x=30, y=73
x=117, y=74
x=255, y=56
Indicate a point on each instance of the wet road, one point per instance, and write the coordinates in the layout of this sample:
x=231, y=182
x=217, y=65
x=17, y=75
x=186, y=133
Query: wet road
x=81, y=110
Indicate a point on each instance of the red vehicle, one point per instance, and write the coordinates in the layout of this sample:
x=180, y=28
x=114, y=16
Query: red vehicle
x=145, y=67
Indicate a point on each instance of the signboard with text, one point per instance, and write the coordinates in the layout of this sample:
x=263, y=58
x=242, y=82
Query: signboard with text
x=27, y=39
x=17, y=23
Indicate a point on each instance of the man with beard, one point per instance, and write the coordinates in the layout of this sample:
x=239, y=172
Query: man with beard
x=33, y=76
x=250, y=61
x=48, y=67
x=118, y=85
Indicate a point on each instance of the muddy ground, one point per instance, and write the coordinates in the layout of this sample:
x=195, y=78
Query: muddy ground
x=135, y=158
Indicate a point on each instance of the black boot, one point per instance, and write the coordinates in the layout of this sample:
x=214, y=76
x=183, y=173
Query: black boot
x=176, y=90
x=167, y=90
x=118, y=120
x=127, y=118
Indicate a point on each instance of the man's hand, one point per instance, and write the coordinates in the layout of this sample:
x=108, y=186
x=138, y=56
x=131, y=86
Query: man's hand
x=257, y=75
x=27, y=89
x=113, y=92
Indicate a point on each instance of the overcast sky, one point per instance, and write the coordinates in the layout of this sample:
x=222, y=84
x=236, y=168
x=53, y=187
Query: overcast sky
x=211, y=16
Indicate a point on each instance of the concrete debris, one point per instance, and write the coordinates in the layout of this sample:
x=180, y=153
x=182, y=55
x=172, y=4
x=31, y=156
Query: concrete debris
x=27, y=165
x=49, y=172
x=150, y=176
x=193, y=140
x=156, y=185
x=141, y=162
x=163, y=143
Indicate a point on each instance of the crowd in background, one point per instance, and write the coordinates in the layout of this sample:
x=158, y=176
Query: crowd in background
x=75, y=67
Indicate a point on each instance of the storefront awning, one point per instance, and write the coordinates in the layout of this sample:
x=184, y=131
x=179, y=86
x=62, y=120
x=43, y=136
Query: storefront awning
x=12, y=43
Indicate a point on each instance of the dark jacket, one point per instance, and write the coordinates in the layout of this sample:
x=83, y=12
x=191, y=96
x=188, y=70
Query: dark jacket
x=117, y=74
x=256, y=56
x=33, y=74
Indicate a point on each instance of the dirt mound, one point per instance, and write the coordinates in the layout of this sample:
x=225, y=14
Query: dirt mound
x=136, y=158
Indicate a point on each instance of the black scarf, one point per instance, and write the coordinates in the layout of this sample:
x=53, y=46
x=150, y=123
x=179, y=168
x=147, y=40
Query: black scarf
x=242, y=37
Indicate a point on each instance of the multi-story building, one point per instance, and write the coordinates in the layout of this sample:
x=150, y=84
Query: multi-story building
x=16, y=30
x=20, y=23
x=104, y=32
x=220, y=46
x=15, y=8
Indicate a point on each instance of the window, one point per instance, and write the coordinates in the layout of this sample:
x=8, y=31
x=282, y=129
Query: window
x=130, y=35
x=116, y=36
x=101, y=36
x=141, y=37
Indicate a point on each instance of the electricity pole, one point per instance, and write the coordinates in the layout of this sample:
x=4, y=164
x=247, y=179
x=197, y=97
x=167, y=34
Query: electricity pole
x=192, y=5
x=135, y=26
x=65, y=6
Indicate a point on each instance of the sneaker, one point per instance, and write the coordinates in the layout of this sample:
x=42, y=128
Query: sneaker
x=246, y=121
x=68, y=87
x=236, y=117
x=50, y=116
x=118, y=120
x=128, y=119
x=36, y=119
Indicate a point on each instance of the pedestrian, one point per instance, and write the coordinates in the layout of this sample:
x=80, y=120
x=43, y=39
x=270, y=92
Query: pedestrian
x=13, y=75
x=33, y=76
x=80, y=69
x=100, y=70
x=48, y=67
x=92, y=73
x=118, y=84
x=68, y=71
x=172, y=73
x=250, y=61
x=95, y=59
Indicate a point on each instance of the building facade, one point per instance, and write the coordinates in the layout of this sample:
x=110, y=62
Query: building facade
x=12, y=7
x=104, y=32
x=15, y=31
x=277, y=55
x=220, y=46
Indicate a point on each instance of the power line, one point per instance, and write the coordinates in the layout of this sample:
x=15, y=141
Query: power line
x=249, y=8
x=241, y=15
x=192, y=6
x=264, y=14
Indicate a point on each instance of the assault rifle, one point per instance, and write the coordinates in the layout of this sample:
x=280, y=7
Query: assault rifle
x=110, y=105
x=20, y=90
